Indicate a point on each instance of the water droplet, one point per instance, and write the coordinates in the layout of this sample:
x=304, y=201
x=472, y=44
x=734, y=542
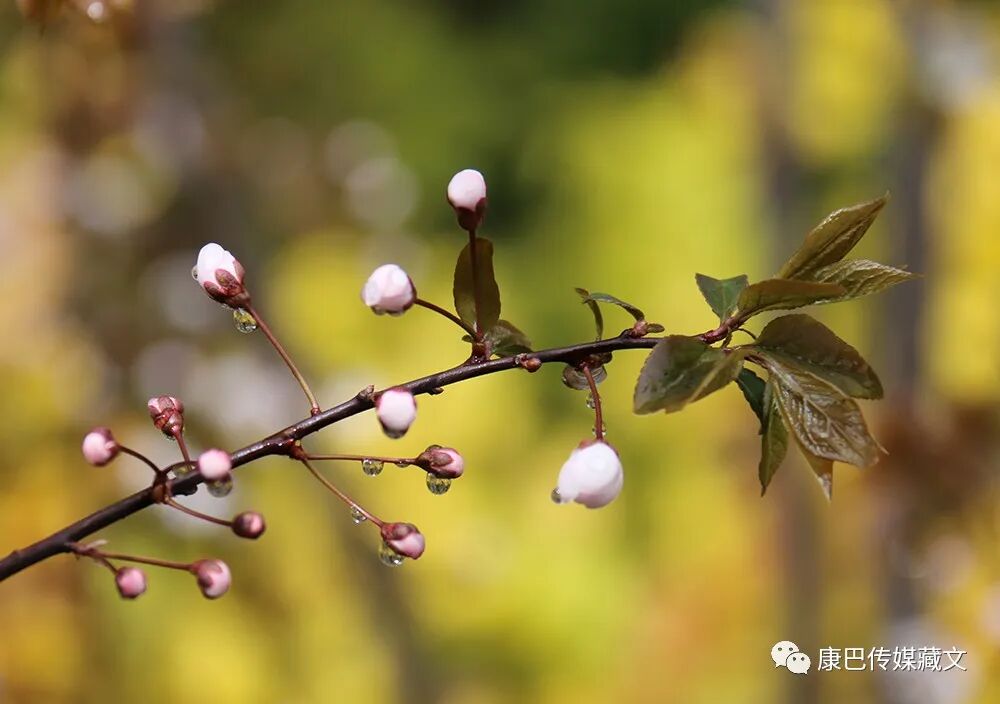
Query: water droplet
x=356, y=516
x=244, y=321
x=388, y=556
x=556, y=498
x=604, y=429
x=183, y=470
x=438, y=485
x=591, y=404
x=194, y=272
x=402, y=464
x=371, y=467
x=221, y=487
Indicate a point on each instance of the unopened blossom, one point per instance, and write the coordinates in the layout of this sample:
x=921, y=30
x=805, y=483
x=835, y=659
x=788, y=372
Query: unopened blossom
x=214, y=577
x=404, y=539
x=100, y=447
x=396, y=410
x=467, y=195
x=214, y=464
x=167, y=413
x=442, y=461
x=389, y=290
x=249, y=524
x=221, y=275
x=592, y=475
x=131, y=582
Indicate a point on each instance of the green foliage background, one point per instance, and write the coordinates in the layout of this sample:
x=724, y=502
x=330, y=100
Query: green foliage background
x=627, y=145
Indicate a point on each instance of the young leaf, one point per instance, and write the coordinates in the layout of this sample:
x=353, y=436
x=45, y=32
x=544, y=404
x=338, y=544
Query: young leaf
x=752, y=387
x=861, y=277
x=506, y=340
x=782, y=294
x=801, y=341
x=773, y=443
x=825, y=421
x=721, y=294
x=832, y=239
x=680, y=370
x=486, y=294
x=608, y=298
x=595, y=309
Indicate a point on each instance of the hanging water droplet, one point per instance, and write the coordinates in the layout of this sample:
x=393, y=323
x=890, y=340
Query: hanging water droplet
x=244, y=321
x=438, y=485
x=356, y=516
x=371, y=467
x=556, y=498
x=604, y=429
x=591, y=404
x=183, y=470
x=221, y=487
x=388, y=556
x=402, y=464
x=194, y=272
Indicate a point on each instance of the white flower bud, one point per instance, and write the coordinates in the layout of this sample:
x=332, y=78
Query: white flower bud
x=404, y=539
x=131, y=582
x=388, y=290
x=592, y=475
x=214, y=464
x=99, y=447
x=214, y=577
x=396, y=410
x=467, y=195
x=221, y=275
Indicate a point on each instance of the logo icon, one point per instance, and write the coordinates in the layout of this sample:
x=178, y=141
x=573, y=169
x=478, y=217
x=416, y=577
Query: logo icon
x=786, y=654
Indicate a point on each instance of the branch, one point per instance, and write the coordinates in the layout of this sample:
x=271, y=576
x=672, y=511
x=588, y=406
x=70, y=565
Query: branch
x=279, y=443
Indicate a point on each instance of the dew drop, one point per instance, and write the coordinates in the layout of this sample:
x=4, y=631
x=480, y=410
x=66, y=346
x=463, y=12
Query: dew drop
x=183, y=470
x=221, y=487
x=604, y=429
x=591, y=404
x=556, y=497
x=245, y=322
x=402, y=464
x=194, y=272
x=371, y=467
x=356, y=516
x=388, y=556
x=438, y=485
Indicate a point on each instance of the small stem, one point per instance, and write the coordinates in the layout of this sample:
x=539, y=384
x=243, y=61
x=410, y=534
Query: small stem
x=169, y=501
x=360, y=458
x=105, y=556
x=143, y=458
x=99, y=559
x=475, y=284
x=313, y=405
x=595, y=394
x=341, y=495
x=449, y=315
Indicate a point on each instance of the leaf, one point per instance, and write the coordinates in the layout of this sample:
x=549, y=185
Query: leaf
x=680, y=370
x=752, y=387
x=595, y=309
x=801, y=341
x=822, y=468
x=608, y=298
x=721, y=294
x=486, y=294
x=825, y=421
x=773, y=443
x=506, y=340
x=779, y=294
x=861, y=277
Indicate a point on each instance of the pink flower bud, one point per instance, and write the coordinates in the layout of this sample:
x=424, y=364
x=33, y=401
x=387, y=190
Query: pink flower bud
x=592, y=476
x=467, y=195
x=442, y=461
x=396, y=410
x=249, y=524
x=404, y=539
x=389, y=290
x=131, y=582
x=167, y=413
x=215, y=464
x=213, y=577
x=99, y=447
x=221, y=275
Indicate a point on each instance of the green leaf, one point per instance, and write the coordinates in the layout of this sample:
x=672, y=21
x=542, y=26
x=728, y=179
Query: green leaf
x=827, y=423
x=486, y=294
x=595, y=309
x=773, y=443
x=861, y=277
x=680, y=370
x=608, y=298
x=721, y=294
x=801, y=341
x=832, y=239
x=782, y=294
x=752, y=387
x=506, y=340
x=822, y=468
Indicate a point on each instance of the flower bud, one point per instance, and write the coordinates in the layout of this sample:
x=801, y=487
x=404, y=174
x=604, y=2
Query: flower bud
x=167, y=413
x=131, y=582
x=389, y=290
x=467, y=195
x=221, y=275
x=213, y=577
x=249, y=524
x=404, y=539
x=99, y=447
x=396, y=410
x=442, y=461
x=214, y=465
x=592, y=475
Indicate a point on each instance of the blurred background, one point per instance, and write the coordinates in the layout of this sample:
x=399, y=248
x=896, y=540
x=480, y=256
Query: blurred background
x=627, y=144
